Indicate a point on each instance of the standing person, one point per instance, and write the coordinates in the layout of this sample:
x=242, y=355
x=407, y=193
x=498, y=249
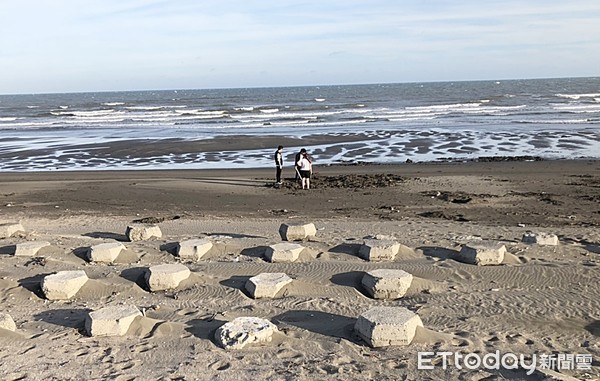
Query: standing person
x=278, y=156
x=305, y=170
x=296, y=161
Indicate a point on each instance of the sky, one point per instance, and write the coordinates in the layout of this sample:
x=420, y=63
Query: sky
x=106, y=45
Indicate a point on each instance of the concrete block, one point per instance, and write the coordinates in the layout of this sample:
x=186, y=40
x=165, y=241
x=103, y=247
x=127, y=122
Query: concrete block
x=142, y=232
x=7, y=322
x=244, y=331
x=297, y=232
x=166, y=277
x=376, y=250
x=10, y=228
x=105, y=252
x=386, y=326
x=63, y=285
x=482, y=253
x=30, y=248
x=111, y=321
x=267, y=285
x=283, y=252
x=387, y=284
x=542, y=239
x=193, y=249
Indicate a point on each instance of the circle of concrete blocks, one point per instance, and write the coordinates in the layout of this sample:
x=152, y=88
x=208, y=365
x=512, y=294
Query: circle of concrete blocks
x=482, y=253
x=142, y=232
x=244, y=331
x=376, y=250
x=543, y=239
x=267, y=285
x=283, y=252
x=29, y=249
x=193, y=249
x=297, y=232
x=167, y=276
x=111, y=321
x=63, y=285
x=105, y=252
x=386, y=326
x=7, y=322
x=387, y=284
x=10, y=228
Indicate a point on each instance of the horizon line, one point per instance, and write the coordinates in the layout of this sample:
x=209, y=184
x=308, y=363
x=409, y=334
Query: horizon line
x=296, y=86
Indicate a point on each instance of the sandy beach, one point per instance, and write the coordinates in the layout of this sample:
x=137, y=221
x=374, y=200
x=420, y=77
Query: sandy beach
x=540, y=300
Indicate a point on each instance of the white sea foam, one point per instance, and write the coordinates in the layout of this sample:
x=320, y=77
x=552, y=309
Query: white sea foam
x=578, y=96
x=26, y=124
x=554, y=121
x=289, y=115
x=113, y=103
x=7, y=119
x=319, y=99
x=89, y=114
x=244, y=108
x=456, y=106
x=201, y=112
x=269, y=110
x=149, y=108
x=578, y=108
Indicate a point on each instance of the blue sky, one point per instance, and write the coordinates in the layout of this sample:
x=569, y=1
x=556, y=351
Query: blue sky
x=99, y=45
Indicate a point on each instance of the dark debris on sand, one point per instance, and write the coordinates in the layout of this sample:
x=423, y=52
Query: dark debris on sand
x=353, y=181
x=357, y=181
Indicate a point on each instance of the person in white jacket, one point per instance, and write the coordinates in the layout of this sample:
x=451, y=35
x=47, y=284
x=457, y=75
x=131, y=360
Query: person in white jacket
x=305, y=166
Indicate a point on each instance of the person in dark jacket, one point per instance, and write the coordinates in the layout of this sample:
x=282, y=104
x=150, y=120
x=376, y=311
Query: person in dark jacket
x=296, y=160
x=278, y=156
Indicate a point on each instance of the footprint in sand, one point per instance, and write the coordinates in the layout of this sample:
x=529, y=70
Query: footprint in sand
x=220, y=365
x=518, y=338
x=143, y=348
x=287, y=354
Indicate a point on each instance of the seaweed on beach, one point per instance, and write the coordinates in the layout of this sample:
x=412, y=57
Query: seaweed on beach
x=357, y=181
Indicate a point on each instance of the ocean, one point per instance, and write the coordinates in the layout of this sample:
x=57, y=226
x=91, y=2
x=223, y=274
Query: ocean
x=233, y=128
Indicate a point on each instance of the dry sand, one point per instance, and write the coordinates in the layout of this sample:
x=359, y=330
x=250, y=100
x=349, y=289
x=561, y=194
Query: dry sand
x=542, y=300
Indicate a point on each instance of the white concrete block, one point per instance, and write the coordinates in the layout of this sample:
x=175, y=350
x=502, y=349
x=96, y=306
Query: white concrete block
x=105, y=252
x=267, y=285
x=30, y=248
x=542, y=239
x=63, y=285
x=193, y=249
x=10, y=228
x=376, y=250
x=142, y=232
x=111, y=321
x=387, y=284
x=166, y=277
x=482, y=253
x=283, y=252
x=297, y=232
x=244, y=331
x=7, y=322
x=386, y=326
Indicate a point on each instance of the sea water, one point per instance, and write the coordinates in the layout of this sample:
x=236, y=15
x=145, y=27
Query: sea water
x=379, y=123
